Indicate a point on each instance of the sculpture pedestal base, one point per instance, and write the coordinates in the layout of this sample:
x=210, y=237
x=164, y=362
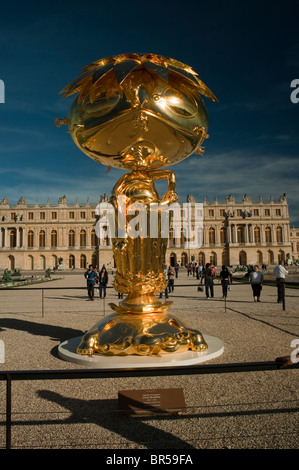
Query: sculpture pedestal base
x=146, y=334
x=67, y=351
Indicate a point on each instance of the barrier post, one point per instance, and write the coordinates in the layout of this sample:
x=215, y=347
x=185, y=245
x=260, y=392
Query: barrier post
x=42, y=303
x=8, y=411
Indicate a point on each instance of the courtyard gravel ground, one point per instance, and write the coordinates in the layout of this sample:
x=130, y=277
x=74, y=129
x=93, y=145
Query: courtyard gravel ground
x=246, y=410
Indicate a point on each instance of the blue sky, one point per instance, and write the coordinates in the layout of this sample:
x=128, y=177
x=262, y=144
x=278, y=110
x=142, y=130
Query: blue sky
x=246, y=52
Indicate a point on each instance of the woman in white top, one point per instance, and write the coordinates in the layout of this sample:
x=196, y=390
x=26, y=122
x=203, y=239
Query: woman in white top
x=256, y=278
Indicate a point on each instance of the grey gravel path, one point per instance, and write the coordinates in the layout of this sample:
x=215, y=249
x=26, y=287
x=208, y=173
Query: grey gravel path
x=236, y=411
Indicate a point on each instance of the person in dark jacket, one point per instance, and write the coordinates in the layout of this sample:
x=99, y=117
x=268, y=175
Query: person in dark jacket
x=103, y=281
x=90, y=277
x=171, y=276
x=225, y=280
x=208, y=276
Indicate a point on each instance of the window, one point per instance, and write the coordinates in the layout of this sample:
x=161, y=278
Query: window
x=11, y=262
x=267, y=212
x=268, y=235
x=211, y=212
x=222, y=212
x=71, y=261
x=13, y=216
x=42, y=215
x=71, y=238
x=201, y=259
x=54, y=215
x=71, y=215
x=200, y=235
x=93, y=214
x=94, y=259
x=281, y=255
x=30, y=239
x=30, y=215
x=270, y=257
x=259, y=257
x=53, y=239
x=184, y=259
x=42, y=239
x=257, y=235
x=223, y=235
x=239, y=212
x=82, y=238
x=171, y=237
x=106, y=240
x=240, y=235
x=13, y=239
x=30, y=262
x=93, y=238
x=279, y=234
x=183, y=238
x=242, y=258
x=256, y=212
x=42, y=262
x=211, y=236
x=82, y=261
x=82, y=215
x=278, y=212
x=213, y=258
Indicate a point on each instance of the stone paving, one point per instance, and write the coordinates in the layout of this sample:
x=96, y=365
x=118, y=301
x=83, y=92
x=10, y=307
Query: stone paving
x=237, y=410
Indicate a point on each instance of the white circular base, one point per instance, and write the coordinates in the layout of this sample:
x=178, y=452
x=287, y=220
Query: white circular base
x=67, y=351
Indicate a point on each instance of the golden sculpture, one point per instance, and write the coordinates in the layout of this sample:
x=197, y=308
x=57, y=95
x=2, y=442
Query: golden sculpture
x=140, y=113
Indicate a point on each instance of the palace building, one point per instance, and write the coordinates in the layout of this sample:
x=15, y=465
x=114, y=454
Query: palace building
x=41, y=236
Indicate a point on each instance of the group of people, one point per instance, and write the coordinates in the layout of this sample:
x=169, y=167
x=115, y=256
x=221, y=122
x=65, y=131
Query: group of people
x=208, y=275
x=99, y=279
x=96, y=278
x=256, y=278
x=195, y=269
x=170, y=274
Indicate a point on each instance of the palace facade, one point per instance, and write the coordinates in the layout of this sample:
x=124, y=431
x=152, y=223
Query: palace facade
x=40, y=236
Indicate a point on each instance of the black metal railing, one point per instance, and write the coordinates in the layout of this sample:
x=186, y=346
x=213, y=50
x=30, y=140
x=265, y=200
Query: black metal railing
x=10, y=376
x=238, y=282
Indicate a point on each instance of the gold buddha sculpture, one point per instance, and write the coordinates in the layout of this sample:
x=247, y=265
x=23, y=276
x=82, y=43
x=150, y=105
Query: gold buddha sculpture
x=139, y=113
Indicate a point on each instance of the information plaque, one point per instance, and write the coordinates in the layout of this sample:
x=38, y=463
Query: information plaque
x=151, y=402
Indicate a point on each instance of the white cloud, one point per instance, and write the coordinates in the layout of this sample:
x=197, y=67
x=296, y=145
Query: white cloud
x=34, y=183
x=239, y=173
x=210, y=176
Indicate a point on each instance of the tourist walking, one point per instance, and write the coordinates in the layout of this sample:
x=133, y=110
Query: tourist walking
x=103, y=281
x=199, y=271
x=256, y=278
x=280, y=273
x=208, y=276
x=90, y=277
x=171, y=276
x=166, y=278
x=225, y=280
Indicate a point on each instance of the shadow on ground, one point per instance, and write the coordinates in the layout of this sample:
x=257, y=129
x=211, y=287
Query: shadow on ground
x=104, y=413
x=141, y=431
x=56, y=333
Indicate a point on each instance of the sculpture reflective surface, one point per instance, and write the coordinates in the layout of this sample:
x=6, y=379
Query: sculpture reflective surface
x=139, y=113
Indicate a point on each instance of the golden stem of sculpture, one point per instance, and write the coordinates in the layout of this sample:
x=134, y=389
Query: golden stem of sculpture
x=142, y=324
